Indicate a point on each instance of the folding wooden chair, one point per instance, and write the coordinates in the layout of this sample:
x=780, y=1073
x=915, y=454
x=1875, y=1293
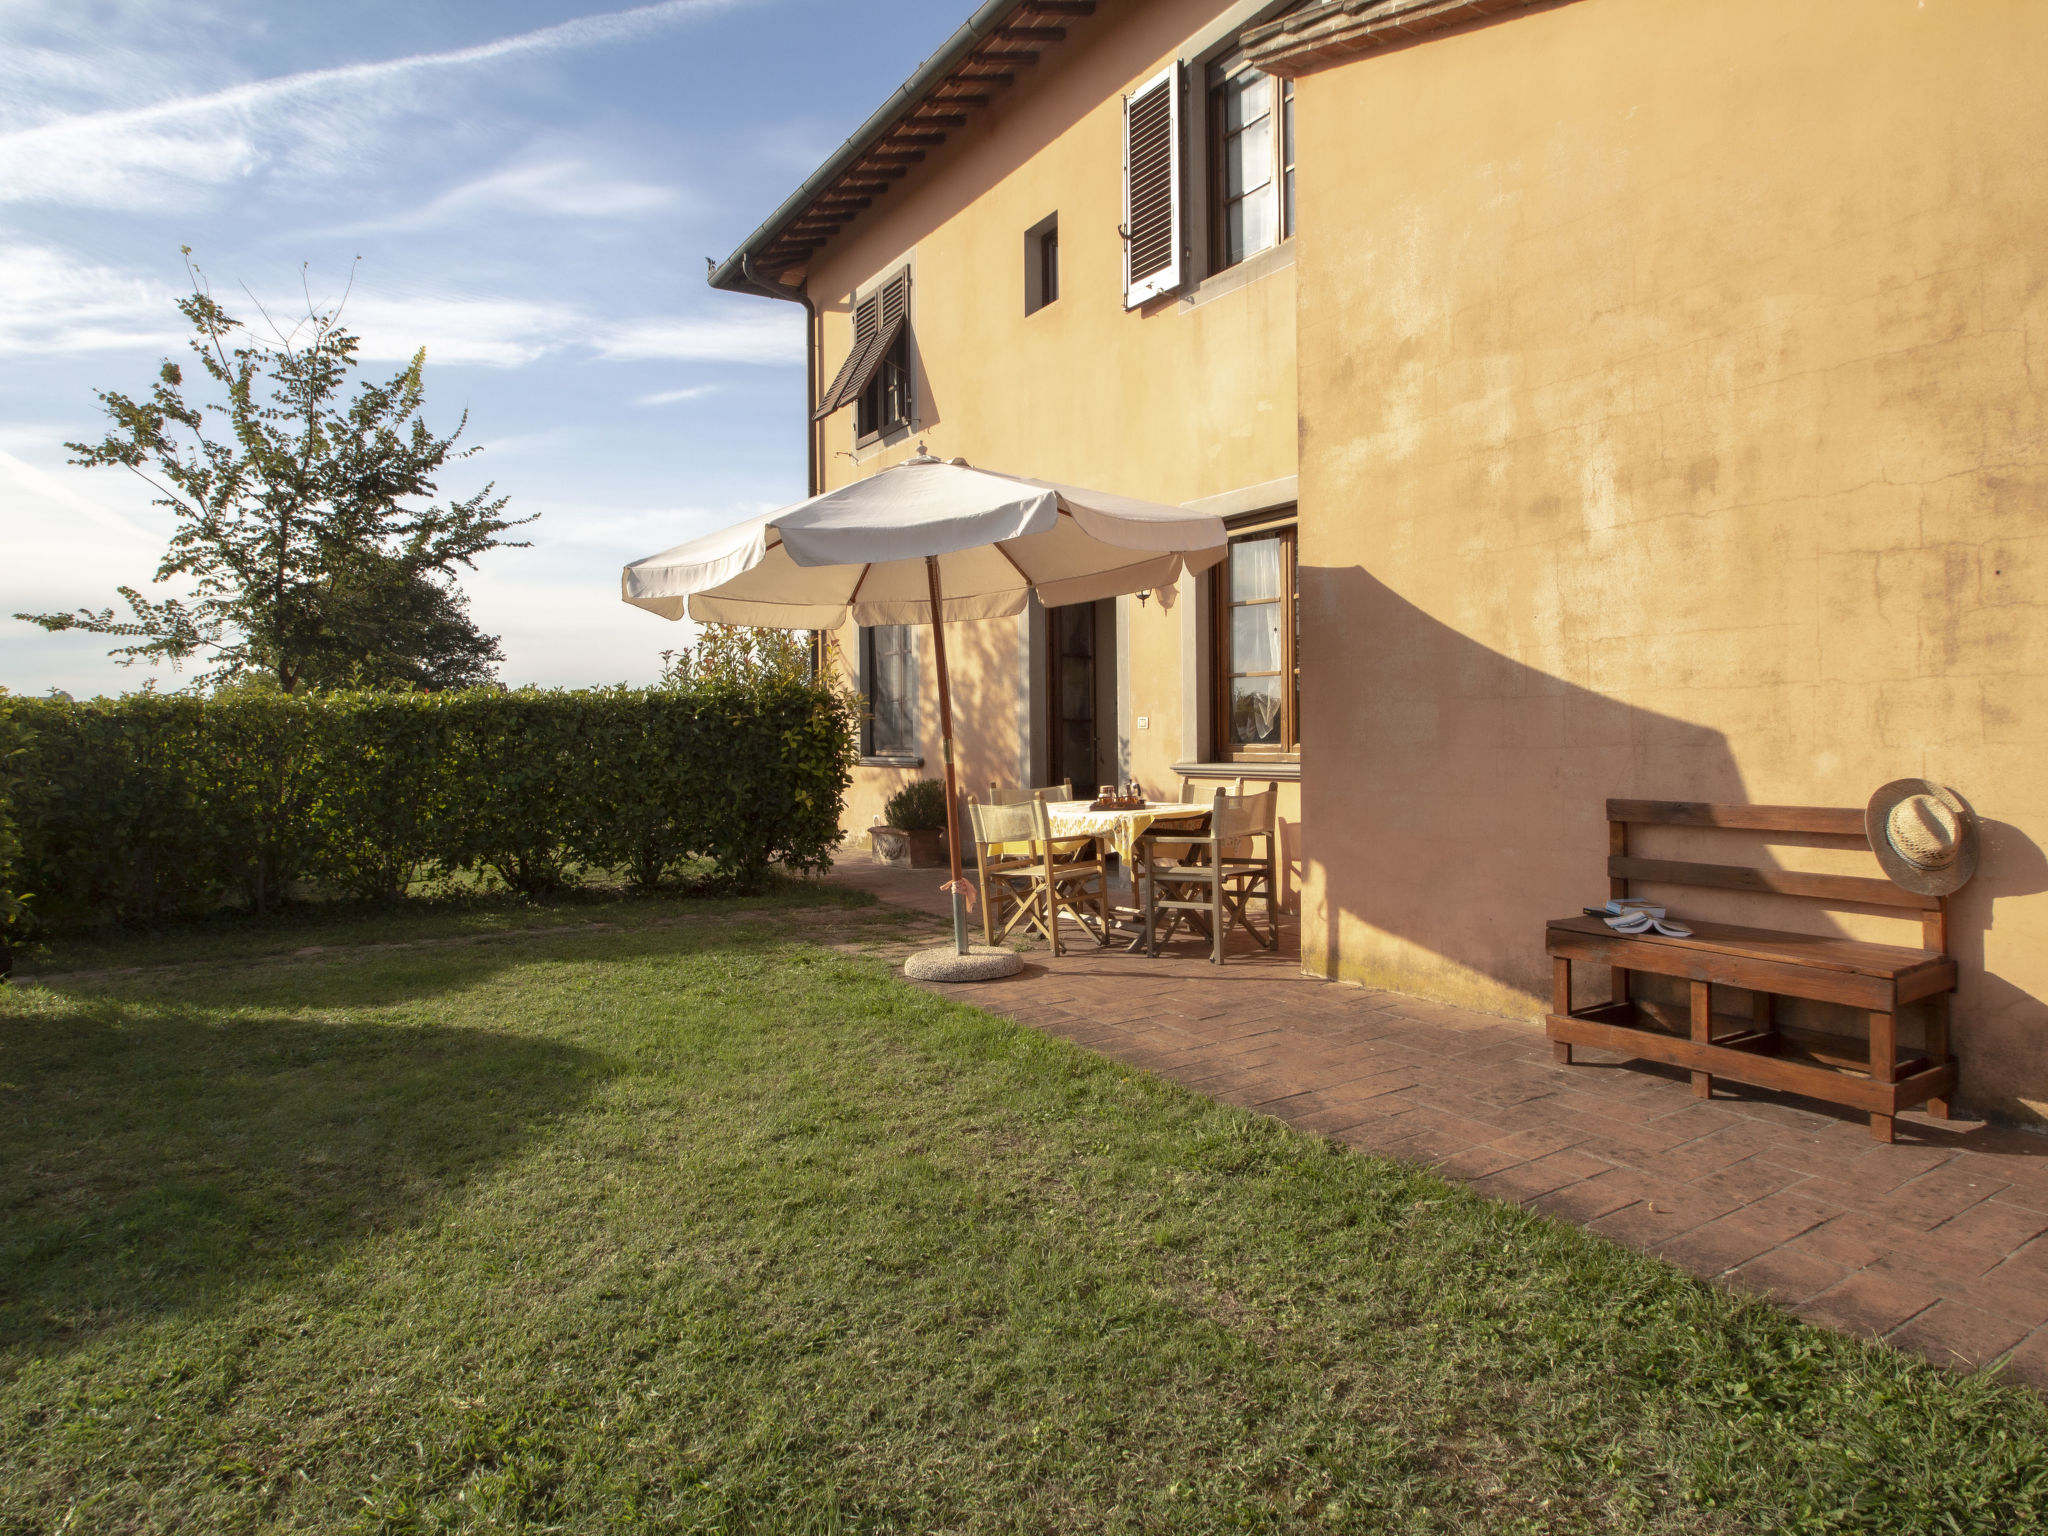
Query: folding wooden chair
x=1006, y=864
x=1068, y=849
x=1033, y=888
x=997, y=795
x=1216, y=881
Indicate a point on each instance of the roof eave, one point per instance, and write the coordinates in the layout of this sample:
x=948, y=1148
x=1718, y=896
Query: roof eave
x=990, y=15
x=1329, y=32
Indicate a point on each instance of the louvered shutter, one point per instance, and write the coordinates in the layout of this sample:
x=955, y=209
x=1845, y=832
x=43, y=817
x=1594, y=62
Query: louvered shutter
x=878, y=320
x=858, y=365
x=1152, y=192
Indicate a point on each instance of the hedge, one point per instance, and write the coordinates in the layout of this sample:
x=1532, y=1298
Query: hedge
x=13, y=912
x=157, y=806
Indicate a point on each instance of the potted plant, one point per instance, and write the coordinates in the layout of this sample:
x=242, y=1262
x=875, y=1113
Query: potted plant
x=915, y=835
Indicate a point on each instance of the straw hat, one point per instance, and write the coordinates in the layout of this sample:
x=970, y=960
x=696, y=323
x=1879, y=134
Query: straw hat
x=1924, y=834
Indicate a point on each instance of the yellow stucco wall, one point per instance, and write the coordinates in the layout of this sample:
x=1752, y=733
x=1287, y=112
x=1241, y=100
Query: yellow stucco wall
x=1168, y=403
x=1672, y=420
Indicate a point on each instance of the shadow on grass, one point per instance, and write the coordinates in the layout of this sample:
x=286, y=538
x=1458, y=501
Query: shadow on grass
x=155, y=1158
x=387, y=974
x=231, y=934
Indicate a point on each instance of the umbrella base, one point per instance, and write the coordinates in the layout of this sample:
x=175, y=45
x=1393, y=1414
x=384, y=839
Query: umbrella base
x=982, y=962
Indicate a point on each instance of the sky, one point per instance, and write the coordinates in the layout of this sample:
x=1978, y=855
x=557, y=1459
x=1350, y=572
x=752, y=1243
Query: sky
x=526, y=188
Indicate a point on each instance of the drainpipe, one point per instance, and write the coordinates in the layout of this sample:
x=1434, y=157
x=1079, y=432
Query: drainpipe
x=773, y=290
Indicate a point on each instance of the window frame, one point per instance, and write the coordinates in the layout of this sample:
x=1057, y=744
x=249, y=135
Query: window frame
x=1041, y=264
x=1217, y=74
x=1286, y=524
x=872, y=749
x=888, y=402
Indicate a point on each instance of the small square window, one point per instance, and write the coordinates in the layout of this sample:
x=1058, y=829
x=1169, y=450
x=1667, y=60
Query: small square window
x=1041, y=264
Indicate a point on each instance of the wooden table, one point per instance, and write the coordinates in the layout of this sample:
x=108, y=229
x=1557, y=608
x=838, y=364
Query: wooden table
x=1123, y=830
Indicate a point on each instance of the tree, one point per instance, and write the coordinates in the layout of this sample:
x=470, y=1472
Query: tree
x=308, y=530
x=386, y=625
x=734, y=653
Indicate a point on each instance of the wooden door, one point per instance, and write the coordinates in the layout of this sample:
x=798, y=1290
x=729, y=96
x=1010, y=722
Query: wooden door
x=1075, y=733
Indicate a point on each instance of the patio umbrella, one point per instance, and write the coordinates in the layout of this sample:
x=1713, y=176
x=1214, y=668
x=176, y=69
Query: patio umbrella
x=927, y=541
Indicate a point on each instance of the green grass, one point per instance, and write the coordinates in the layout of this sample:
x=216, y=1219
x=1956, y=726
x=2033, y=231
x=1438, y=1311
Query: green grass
x=691, y=1222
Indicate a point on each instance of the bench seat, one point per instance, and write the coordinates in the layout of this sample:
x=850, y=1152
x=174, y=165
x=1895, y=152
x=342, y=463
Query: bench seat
x=1873, y=977
x=1877, y=980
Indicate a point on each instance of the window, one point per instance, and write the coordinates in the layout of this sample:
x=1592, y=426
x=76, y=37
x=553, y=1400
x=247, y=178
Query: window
x=1258, y=668
x=1041, y=263
x=888, y=677
x=885, y=404
x=876, y=377
x=1251, y=161
x=1286, y=159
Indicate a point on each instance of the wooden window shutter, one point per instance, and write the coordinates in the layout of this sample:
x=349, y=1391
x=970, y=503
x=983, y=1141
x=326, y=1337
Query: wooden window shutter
x=895, y=300
x=877, y=320
x=843, y=387
x=1153, y=216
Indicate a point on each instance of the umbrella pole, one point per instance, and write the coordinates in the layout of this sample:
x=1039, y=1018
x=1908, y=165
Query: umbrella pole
x=931, y=569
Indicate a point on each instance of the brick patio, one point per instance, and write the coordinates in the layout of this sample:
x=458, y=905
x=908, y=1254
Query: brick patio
x=1934, y=1244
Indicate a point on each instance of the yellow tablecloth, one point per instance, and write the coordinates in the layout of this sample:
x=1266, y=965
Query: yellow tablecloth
x=1073, y=818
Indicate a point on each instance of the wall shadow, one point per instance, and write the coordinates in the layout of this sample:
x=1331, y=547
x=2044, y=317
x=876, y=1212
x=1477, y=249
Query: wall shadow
x=1991, y=1012
x=988, y=686
x=1454, y=799
x=161, y=1158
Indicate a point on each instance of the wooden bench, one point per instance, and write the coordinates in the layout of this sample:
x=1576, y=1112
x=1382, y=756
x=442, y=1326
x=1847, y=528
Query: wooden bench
x=1876, y=979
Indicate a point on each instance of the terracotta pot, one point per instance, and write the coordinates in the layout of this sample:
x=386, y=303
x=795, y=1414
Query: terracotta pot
x=909, y=850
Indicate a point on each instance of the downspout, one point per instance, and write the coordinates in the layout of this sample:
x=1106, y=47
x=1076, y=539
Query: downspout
x=813, y=480
x=801, y=296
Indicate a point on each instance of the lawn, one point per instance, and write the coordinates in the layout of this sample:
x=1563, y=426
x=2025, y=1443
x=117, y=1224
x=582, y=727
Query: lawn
x=675, y=1216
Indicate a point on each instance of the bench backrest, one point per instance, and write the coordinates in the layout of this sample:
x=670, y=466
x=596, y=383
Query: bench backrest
x=1810, y=820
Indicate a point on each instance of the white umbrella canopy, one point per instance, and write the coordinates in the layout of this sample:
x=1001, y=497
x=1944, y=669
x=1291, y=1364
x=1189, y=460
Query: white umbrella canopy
x=926, y=542
x=863, y=551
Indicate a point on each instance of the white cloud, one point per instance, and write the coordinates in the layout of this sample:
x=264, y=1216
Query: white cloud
x=51, y=302
x=678, y=396
x=753, y=336
x=460, y=328
x=57, y=495
x=555, y=186
x=134, y=155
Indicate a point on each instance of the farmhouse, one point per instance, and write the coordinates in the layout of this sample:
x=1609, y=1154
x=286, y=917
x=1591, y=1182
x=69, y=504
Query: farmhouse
x=1607, y=398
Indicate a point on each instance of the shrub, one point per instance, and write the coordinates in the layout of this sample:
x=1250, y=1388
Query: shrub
x=919, y=807
x=113, y=813
x=773, y=759
x=381, y=819
x=513, y=761
x=13, y=902
x=152, y=806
